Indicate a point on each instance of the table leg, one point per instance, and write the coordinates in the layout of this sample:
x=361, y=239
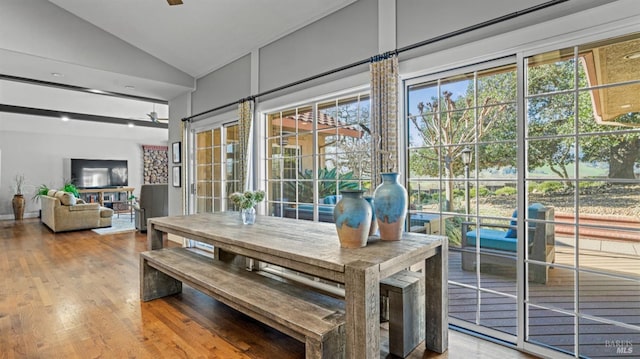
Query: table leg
x=362, y=299
x=154, y=237
x=436, y=295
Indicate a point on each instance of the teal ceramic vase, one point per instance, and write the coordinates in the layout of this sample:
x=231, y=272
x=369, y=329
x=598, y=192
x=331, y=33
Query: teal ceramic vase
x=374, y=223
x=352, y=215
x=390, y=202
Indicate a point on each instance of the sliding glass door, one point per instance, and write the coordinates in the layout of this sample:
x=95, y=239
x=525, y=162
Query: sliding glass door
x=462, y=158
x=583, y=159
x=535, y=180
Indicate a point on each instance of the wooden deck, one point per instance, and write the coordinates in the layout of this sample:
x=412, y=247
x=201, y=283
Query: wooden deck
x=614, y=297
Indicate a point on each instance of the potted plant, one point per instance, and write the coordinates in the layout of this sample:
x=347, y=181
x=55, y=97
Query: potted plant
x=71, y=188
x=43, y=190
x=18, y=197
x=246, y=201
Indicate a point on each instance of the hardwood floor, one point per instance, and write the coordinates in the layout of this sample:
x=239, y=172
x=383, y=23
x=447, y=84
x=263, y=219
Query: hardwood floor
x=76, y=295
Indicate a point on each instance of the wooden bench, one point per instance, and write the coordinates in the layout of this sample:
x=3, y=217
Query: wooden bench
x=310, y=317
x=404, y=293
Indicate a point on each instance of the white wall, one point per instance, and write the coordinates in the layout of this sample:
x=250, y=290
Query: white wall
x=343, y=37
x=179, y=107
x=236, y=77
x=38, y=148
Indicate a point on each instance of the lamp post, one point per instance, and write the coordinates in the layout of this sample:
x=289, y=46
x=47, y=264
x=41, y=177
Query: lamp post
x=466, y=156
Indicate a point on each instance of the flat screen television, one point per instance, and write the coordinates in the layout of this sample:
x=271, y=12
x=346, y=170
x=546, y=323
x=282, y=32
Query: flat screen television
x=99, y=173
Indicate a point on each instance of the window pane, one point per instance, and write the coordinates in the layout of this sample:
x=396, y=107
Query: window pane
x=615, y=157
x=551, y=115
x=610, y=109
x=550, y=72
x=457, y=92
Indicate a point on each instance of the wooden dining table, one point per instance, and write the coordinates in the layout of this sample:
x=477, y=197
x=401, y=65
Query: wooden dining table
x=313, y=248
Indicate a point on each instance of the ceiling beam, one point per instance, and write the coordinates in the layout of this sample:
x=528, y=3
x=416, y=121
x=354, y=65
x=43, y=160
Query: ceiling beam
x=81, y=89
x=78, y=116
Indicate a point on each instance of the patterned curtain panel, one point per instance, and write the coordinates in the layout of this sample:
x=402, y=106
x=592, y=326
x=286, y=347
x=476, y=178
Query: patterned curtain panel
x=245, y=115
x=384, y=118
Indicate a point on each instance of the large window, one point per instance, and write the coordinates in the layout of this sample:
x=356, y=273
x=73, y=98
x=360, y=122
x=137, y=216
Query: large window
x=314, y=151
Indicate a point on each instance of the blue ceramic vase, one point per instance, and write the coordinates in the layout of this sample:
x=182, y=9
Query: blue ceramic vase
x=374, y=223
x=390, y=202
x=352, y=216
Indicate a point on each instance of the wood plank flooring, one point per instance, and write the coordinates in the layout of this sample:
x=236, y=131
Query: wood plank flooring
x=76, y=295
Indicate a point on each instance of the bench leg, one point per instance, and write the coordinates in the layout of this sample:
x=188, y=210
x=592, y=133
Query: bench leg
x=155, y=284
x=332, y=346
x=406, y=319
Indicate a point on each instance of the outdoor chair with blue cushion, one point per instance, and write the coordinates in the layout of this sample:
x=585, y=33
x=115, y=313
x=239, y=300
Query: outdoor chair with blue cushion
x=499, y=243
x=305, y=211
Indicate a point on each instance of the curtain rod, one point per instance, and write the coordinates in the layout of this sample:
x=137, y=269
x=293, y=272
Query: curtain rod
x=432, y=40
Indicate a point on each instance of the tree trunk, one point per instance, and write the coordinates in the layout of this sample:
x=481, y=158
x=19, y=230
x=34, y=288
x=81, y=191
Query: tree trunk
x=448, y=204
x=622, y=158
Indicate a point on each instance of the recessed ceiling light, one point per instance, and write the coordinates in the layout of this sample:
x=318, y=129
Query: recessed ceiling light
x=56, y=74
x=632, y=56
x=96, y=91
x=131, y=87
x=131, y=125
x=65, y=118
x=625, y=106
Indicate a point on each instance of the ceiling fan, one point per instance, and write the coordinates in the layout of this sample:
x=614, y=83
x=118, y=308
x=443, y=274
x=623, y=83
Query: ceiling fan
x=153, y=116
x=174, y=2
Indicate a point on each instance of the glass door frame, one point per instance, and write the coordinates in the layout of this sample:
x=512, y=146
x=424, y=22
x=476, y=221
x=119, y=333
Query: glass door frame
x=211, y=123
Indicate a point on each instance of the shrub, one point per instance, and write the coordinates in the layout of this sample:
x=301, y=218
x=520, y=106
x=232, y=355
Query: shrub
x=549, y=186
x=506, y=191
x=452, y=230
x=583, y=185
x=482, y=192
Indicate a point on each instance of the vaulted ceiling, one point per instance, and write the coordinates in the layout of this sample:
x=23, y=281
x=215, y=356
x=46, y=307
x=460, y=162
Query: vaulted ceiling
x=200, y=35
x=142, y=48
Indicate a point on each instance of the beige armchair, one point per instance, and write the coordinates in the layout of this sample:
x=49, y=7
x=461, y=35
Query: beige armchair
x=154, y=202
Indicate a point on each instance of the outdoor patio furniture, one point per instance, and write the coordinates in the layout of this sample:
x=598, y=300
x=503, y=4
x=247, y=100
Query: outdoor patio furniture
x=499, y=243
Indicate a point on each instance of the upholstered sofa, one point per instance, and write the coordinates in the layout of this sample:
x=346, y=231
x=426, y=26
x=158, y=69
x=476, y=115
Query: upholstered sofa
x=61, y=211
